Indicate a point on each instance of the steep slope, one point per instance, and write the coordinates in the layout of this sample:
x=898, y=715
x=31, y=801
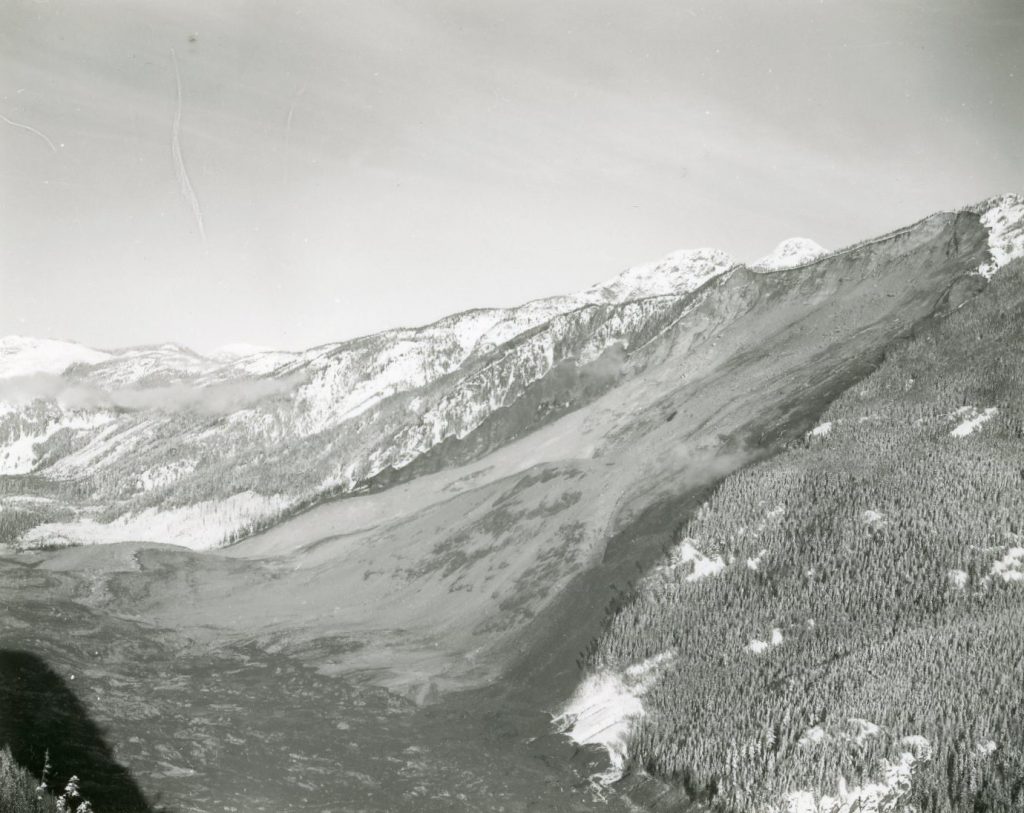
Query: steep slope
x=213, y=449
x=165, y=445
x=836, y=629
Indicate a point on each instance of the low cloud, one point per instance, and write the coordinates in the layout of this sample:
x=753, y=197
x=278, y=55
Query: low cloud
x=607, y=367
x=221, y=398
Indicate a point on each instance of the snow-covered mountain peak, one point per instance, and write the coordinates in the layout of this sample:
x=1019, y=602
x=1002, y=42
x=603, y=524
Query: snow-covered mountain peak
x=22, y=355
x=678, y=273
x=238, y=350
x=1003, y=217
x=789, y=254
x=1002, y=201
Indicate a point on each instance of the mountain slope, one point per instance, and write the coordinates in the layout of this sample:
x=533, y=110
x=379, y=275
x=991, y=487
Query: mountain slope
x=462, y=569
x=470, y=548
x=835, y=629
x=182, y=429
x=163, y=444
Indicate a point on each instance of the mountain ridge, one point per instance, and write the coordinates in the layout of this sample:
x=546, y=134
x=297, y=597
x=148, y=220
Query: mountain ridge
x=1005, y=213
x=335, y=418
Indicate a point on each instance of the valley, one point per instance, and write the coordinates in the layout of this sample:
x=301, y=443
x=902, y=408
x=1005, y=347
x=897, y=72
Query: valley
x=423, y=557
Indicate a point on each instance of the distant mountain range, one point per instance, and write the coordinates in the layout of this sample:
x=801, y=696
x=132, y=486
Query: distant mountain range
x=164, y=444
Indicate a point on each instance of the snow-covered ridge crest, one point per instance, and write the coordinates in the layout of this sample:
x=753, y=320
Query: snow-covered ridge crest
x=789, y=254
x=22, y=355
x=1003, y=217
x=238, y=350
x=678, y=273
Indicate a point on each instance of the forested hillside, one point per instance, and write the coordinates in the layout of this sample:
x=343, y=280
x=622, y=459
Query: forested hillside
x=842, y=626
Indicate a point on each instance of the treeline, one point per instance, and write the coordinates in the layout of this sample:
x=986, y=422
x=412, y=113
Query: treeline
x=870, y=548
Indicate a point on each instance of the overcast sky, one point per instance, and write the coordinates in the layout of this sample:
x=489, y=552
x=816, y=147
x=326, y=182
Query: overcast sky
x=350, y=166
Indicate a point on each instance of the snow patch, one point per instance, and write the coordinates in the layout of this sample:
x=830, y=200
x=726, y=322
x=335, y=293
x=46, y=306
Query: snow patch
x=885, y=796
x=973, y=421
x=855, y=729
x=1004, y=220
x=18, y=456
x=873, y=519
x=958, y=578
x=811, y=736
x=758, y=647
x=165, y=475
x=985, y=748
x=1011, y=567
x=686, y=553
x=919, y=745
x=604, y=708
x=200, y=526
x=862, y=729
x=776, y=512
x=821, y=430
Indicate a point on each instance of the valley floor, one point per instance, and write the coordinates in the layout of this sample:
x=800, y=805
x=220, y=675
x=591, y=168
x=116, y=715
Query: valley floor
x=241, y=728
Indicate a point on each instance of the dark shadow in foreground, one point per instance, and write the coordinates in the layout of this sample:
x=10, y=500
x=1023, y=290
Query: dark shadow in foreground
x=39, y=712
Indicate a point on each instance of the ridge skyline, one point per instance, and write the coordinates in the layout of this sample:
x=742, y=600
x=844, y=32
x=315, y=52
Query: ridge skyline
x=229, y=352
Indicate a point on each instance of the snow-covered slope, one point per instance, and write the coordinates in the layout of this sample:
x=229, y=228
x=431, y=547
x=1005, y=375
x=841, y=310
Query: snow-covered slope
x=1003, y=216
x=679, y=272
x=605, y=708
x=789, y=254
x=152, y=365
x=21, y=355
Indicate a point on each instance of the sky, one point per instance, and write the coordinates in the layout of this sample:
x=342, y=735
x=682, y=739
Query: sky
x=330, y=169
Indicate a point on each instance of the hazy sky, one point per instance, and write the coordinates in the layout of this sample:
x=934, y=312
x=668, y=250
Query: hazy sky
x=360, y=165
